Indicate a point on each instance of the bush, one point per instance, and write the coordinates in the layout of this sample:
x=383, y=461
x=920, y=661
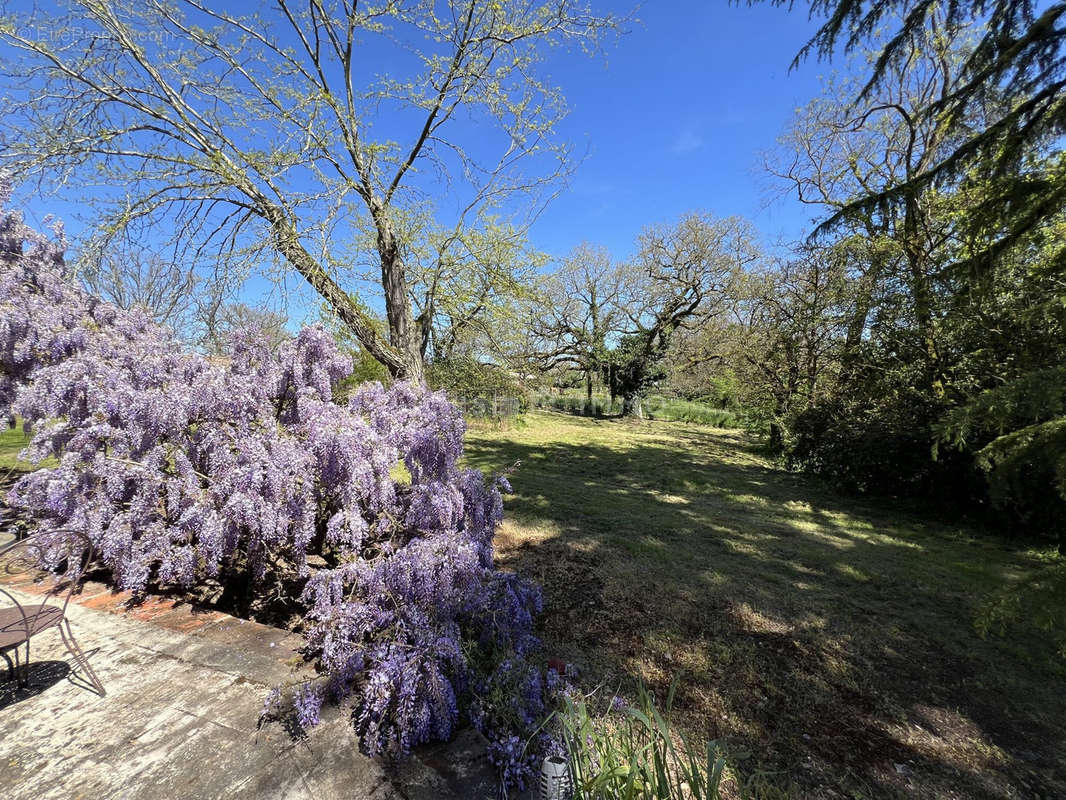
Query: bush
x=690, y=411
x=1035, y=601
x=1016, y=432
x=886, y=449
x=181, y=471
x=655, y=407
x=886, y=453
x=467, y=377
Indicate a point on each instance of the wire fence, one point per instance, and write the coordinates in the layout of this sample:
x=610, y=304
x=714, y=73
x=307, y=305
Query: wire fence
x=490, y=406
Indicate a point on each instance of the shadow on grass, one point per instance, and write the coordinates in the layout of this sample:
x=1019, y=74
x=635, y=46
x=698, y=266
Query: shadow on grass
x=831, y=639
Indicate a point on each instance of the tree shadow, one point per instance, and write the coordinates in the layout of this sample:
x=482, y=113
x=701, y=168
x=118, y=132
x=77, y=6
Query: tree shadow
x=829, y=637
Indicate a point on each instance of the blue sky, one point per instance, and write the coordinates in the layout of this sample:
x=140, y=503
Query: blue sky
x=674, y=116
x=677, y=118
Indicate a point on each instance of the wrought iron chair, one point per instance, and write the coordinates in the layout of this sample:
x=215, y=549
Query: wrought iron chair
x=20, y=623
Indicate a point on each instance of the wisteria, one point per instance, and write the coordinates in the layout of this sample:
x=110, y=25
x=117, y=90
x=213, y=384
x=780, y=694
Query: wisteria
x=181, y=469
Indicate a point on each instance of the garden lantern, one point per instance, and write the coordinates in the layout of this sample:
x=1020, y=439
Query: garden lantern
x=555, y=783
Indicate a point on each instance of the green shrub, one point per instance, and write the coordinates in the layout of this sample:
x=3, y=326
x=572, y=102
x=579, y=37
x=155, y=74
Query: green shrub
x=468, y=377
x=655, y=407
x=690, y=411
x=1017, y=434
x=881, y=448
x=482, y=391
x=1038, y=601
x=1026, y=474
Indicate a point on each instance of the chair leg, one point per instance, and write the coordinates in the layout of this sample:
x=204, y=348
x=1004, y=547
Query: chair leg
x=79, y=656
x=10, y=666
x=22, y=670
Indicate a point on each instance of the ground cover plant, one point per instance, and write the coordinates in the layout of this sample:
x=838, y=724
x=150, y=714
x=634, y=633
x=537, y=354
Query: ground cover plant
x=828, y=643
x=182, y=469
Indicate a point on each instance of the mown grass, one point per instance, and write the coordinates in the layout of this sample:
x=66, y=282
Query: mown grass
x=12, y=441
x=829, y=641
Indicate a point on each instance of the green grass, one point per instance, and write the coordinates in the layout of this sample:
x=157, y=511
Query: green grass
x=12, y=441
x=829, y=642
x=672, y=409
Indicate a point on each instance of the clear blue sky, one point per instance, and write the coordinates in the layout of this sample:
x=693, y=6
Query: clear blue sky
x=677, y=118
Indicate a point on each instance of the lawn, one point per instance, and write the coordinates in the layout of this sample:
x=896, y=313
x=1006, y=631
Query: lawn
x=829, y=641
x=12, y=440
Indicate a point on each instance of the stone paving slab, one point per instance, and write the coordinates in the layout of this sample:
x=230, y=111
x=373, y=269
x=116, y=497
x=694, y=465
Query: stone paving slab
x=184, y=692
x=179, y=720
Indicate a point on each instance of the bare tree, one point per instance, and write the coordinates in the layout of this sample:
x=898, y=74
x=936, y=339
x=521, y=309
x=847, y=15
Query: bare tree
x=578, y=312
x=137, y=278
x=282, y=130
x=220, y=319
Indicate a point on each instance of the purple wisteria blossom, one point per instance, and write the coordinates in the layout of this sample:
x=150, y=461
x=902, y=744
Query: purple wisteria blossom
x=181, y=469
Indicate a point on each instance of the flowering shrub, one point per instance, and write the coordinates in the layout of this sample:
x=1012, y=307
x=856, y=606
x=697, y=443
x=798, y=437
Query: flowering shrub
x=181, y=470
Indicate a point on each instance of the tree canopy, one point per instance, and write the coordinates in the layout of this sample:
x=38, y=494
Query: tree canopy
x=253, y=132
x=1014, y=74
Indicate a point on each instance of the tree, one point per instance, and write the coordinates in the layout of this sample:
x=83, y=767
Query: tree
x=257, y=131
x=791, y=327
x=137, y=278
x=463, y=281
x=1011, y=415
x=222, y=320
x=579, y=309
x=1013, y=80
x=683, y=274
x=838, y=154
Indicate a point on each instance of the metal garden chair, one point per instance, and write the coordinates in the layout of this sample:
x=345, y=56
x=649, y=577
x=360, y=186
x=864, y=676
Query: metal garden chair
x=21, y=622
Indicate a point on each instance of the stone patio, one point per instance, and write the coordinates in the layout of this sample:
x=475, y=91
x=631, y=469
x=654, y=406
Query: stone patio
x=184, y=692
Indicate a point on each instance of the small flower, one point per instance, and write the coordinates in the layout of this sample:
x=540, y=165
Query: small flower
x=271, y=705
x=552, y=679
x=307, y=700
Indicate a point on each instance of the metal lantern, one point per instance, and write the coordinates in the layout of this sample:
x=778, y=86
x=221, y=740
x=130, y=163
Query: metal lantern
x=555, y=783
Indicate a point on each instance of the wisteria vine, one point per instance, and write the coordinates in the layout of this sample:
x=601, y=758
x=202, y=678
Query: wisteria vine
x=181, y=469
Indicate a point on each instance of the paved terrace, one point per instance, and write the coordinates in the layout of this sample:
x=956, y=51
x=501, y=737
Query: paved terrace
x=184, y=692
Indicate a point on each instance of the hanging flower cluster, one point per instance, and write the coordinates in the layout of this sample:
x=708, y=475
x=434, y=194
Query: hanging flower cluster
x=180, y=469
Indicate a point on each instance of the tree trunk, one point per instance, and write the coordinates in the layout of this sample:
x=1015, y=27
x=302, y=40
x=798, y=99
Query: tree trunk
x=857, y=323
x=777, y=437
x=288, y=243
x=403, y=336
x=632, y=406
x=921, y=294
x=588, y=386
